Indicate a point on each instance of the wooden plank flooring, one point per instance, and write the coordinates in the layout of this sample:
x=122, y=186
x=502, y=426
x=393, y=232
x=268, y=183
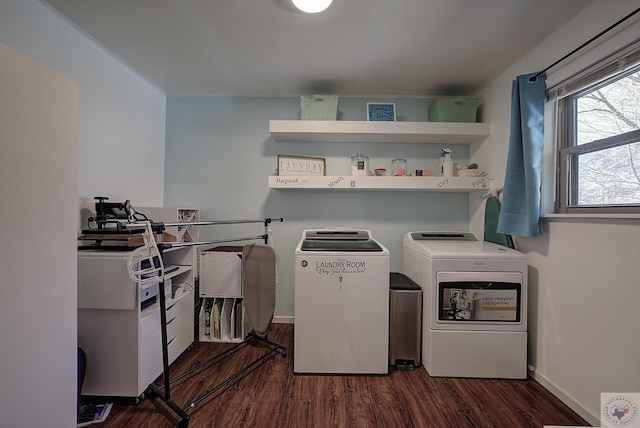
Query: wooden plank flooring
x=271, y=395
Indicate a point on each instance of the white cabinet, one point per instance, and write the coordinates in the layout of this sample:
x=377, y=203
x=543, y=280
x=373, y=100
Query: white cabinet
x=222, y=314
x=120, y=331
x=378, y=132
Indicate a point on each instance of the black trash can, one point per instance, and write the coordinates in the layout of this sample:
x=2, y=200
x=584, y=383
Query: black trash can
x=405, y=322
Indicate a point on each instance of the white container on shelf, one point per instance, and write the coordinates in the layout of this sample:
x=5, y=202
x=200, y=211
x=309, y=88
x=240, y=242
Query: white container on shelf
x=446, y=164
x=468, y=173
x=359, y=164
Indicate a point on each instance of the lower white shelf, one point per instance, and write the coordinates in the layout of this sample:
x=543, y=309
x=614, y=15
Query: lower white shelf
x=223, y=320
x=347, y=182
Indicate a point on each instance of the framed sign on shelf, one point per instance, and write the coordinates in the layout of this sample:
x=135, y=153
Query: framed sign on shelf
x=300, y=165
x=381, y=112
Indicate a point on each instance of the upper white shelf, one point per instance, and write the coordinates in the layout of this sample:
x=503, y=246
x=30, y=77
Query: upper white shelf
x=377, y=132
x=424, y=184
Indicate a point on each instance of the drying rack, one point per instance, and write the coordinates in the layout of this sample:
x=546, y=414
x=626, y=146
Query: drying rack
x=164, y=392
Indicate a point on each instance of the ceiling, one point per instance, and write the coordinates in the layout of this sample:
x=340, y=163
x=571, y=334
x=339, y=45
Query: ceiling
x=355, y=48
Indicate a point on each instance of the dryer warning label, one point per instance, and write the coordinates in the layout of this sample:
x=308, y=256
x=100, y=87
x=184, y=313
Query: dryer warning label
x=467, y=304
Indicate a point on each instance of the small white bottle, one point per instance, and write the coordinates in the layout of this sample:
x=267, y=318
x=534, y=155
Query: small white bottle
x=446, y=164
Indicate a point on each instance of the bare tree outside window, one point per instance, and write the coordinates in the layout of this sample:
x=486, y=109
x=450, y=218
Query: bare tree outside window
x=606, y=117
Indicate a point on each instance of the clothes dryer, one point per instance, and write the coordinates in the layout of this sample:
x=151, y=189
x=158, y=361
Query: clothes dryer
x=474, y=303
x=341, y=303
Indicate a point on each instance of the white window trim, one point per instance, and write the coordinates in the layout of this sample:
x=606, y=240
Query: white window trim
x=618, y=61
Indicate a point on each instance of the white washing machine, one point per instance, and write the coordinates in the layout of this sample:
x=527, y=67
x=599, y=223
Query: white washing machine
x=341, y=303
x=474, y=303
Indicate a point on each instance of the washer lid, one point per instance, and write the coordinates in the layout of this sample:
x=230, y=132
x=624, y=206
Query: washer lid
x=337, y=235
x=340, y=245
x=443, y=236
x=461, y=245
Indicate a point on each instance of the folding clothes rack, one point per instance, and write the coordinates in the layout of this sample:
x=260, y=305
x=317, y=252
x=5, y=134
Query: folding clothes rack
x=164, y=392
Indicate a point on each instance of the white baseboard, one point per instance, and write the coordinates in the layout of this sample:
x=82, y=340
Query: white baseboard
x=283, y=320
x=566, y=399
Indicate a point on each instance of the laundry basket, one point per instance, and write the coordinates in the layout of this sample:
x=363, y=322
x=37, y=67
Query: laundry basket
x=454, y=110
x=319, y=107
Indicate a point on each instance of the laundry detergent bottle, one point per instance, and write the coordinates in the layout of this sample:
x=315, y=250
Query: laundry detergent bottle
x=446, y=164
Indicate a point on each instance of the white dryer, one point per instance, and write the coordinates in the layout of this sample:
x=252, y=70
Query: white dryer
x=474, y=303
x=341, y=303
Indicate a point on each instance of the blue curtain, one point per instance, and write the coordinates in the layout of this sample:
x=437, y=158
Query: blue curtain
x=521, y=198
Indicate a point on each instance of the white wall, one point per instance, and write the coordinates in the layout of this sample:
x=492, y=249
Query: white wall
x=56, y=155
x=583, y=274
x=122, y=117
x=39, y=187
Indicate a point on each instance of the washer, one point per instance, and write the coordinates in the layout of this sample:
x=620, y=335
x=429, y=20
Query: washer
x=475, y=304
x=341, y=303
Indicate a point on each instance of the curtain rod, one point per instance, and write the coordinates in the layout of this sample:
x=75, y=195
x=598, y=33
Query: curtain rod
x=611, y=27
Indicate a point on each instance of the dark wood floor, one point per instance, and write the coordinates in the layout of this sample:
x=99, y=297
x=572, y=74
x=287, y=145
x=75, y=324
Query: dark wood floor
x=271, y=395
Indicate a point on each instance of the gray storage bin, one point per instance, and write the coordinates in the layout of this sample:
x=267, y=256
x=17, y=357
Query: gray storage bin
x=405, y=322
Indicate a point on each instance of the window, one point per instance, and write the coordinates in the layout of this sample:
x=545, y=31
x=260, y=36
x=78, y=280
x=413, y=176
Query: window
x=599, y=138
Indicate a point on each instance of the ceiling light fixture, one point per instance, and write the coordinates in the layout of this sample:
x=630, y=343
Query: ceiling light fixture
x=311, y=6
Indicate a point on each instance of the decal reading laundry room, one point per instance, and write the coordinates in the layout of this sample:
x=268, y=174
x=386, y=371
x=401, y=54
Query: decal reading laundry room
x=340, y=266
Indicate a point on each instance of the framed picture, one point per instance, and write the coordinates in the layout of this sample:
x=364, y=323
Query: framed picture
x=381, y=112
x=300, y=165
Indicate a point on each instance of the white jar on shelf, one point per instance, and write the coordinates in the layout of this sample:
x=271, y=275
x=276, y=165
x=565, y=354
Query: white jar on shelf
x=359, y=164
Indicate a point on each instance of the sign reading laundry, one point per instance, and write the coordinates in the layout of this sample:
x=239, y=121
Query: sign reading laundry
x=300, y=165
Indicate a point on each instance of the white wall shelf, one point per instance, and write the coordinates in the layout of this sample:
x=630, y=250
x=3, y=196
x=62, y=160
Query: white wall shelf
x=377, y=132
x=346, y=182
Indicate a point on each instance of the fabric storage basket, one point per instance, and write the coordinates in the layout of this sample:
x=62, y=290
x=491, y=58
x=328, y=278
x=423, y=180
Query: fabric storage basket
x=454, y=110
x=318, y=107
x=221, y=272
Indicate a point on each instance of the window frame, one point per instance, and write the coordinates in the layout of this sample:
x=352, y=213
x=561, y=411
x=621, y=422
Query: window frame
x=613, y=68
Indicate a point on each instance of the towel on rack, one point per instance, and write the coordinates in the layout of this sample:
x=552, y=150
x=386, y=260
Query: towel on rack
x=259, y=286
x=491, y=216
